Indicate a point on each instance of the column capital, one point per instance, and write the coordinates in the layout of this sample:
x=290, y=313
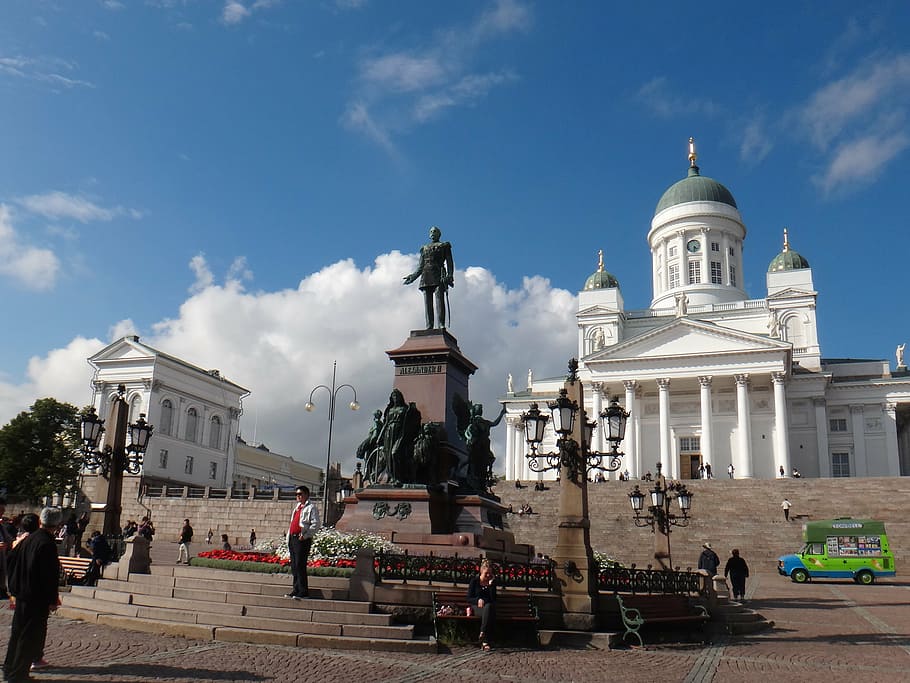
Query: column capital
x=663, y=383
x=819, y=402
x=778, y=377
x=630, y=384
x=890, y=408
x=742, y=379
x=705, y=380
x=856, y=408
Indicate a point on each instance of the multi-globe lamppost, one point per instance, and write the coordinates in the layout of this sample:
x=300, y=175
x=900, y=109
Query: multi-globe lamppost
x=574, y=459
x=353, y=405
x=115, y=457
x=660, y=516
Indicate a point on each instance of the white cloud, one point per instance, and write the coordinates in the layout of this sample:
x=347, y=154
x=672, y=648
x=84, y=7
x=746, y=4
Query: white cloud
x=281, y=344
x=400, y=89
x=44, y=70
x=121, y=329
x=755, y=143
x=659, y=96
x=234, y=12
x=861, y=160
x=31, y=267
x=56, y=205
x=204, y=277
x=101, y=35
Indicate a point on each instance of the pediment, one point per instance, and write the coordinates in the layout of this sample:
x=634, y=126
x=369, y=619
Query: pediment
x=597, y=310
x=685, y=337
x=126, y=348
x=791, y=292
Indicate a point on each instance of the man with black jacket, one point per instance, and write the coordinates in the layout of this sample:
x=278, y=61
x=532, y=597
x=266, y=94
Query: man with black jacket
x=34, y=572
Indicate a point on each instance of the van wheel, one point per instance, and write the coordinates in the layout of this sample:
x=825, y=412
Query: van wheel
x=865, y=577
x=799, y=575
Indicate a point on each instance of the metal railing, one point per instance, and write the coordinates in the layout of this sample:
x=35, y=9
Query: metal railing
x=650, y=581
x=455, y=570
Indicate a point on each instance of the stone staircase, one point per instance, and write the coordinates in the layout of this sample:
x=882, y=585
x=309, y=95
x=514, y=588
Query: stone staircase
x=738, y=513
x=212, y=604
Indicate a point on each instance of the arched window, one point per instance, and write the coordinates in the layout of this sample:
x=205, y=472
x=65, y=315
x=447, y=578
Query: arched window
x=215, y=432
x=167, y=416
x=192, y=421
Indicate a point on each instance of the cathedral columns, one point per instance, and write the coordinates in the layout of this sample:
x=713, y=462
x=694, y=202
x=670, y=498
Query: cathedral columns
x=706, y=420
x=631, y=445
x=742, y=459
x=821, y=436
x=781, y=428
x=859, y=441
x=889, y=411
x=663, y=386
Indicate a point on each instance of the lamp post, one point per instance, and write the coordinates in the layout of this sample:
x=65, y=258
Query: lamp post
x=115, y=457
x=574, y=459
x=659, y=517
x=353, y=405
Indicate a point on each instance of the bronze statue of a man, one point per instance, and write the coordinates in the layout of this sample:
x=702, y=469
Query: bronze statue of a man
x=436, y=271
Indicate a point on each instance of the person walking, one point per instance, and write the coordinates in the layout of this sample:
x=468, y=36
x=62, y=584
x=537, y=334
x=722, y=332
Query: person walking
x=7, y=536
x=34, y=571
x=252, y=537
x=186, y=536
x=304, y=525
x=737, y=569
x=209, y=536
x=785, y=506
x=708, y=560
x=730, y=470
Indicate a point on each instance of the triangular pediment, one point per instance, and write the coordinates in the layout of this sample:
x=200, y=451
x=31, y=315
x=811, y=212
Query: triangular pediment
x=792, y=292
x=597, y=310
x=685, y=337
x=125, y=348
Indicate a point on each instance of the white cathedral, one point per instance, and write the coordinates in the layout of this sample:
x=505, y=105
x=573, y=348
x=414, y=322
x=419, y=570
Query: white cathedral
x=712, y=377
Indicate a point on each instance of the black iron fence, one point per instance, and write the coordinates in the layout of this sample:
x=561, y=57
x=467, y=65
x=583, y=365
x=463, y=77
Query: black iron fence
x=455, y=570
x=634, y=580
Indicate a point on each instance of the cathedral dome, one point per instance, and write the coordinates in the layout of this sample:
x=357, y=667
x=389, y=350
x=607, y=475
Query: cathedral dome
x=787, y=259
x=600, y=279
x=695, y=188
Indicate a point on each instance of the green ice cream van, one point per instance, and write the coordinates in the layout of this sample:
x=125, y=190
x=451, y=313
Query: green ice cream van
x=842, y=548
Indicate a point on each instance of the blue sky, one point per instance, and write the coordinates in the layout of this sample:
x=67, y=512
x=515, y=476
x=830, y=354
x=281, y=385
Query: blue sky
x=244, y=183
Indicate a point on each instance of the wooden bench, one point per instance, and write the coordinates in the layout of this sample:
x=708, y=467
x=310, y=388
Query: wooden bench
x=73, y=569
x=638, y=610
x=511, y=608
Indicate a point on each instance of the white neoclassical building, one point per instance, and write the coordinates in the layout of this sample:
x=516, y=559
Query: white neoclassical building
x=195, y=412
x=713, y=377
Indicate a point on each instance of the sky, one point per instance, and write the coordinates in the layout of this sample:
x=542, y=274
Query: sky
x=244, y=183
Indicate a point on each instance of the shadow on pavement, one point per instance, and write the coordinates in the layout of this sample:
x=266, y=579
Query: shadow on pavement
x=152, y=672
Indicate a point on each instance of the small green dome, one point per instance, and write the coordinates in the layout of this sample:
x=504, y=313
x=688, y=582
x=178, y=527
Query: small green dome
x=601, y=279
x=695, y=188
x=787, y=259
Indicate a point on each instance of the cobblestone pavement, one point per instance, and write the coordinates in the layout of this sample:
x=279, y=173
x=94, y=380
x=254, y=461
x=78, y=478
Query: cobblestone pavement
x=832, y=631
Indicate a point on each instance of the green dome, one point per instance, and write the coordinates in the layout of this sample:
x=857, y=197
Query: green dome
x=695, y=188
x=787, y=259
x=601, y=279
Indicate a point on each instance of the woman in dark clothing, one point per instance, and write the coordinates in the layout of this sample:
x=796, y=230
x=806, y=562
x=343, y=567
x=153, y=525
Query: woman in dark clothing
x=737, y=569
x=482, y=595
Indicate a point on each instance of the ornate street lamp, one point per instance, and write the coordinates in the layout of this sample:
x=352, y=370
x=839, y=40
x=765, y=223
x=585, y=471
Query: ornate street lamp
x=575, y=457
x=353, y=405
x=116, y=456
x=659, y=517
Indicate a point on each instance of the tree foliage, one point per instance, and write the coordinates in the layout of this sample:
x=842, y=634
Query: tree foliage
x=39, y=449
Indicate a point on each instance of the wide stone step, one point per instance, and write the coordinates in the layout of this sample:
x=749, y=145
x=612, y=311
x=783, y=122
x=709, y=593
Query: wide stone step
x=352, y=638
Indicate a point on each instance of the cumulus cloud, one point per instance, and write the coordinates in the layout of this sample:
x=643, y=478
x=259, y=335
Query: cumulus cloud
x=281, y=344
x=235, y=11
x=399, y=89
x=204, y=277
x=29, y=266
x=56, y=205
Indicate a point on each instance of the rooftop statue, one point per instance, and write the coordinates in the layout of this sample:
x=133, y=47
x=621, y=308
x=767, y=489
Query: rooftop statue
x=436, y=271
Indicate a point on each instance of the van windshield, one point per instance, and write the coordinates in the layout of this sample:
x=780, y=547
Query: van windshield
x=814, y=549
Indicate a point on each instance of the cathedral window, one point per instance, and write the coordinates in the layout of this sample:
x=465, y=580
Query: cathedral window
x=213, y=470
x=838, y=424
x=672, y=252
x=732, y=252
x=715, y=246
x=717, y=273
x=674, y=276
x=694, y=272
x=840, y=464
x=733, y=276
x=162, y=459
x=188, y=466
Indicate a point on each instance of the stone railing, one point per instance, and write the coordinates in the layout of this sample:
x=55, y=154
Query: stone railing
x=211, y=493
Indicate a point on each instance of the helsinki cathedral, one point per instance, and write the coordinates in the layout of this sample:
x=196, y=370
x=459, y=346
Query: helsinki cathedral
x=713, y=377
